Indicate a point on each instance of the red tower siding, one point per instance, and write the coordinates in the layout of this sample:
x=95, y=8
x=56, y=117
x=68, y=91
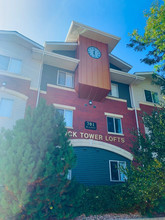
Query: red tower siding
x=92, y=79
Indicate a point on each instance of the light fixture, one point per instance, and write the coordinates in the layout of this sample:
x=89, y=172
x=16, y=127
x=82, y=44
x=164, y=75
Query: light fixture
x=90, y=102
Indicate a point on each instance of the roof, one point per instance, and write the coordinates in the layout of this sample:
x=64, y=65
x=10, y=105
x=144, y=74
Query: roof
x=77, y=29
x=21, y=39
x=55, y=59
x=52, y=45
x=119, y=63
x=126, y=78
x=144, y=73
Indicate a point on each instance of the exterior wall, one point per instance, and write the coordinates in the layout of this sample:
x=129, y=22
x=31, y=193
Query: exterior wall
x=92, y=165
x=84, y=113
x=139, y=95
x=102, y=145
x=22, y=87
x=18, y=109
x=30, y=66
x=49, y=76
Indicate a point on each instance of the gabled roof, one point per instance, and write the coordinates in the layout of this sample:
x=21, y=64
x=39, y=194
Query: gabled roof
x=77, y=29
x=21, y=39
x=119, y=63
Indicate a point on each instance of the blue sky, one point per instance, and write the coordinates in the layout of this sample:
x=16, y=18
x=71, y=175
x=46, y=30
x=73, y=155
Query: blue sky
x=49, y=20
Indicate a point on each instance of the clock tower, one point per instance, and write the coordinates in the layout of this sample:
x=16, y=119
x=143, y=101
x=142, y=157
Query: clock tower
x=92, y=77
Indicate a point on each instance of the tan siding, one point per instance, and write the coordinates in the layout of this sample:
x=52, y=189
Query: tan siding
x=18, y=110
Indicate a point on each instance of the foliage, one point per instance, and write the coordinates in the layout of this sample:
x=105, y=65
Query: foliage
x=107, y=199
x=147, y=177
x=35, y=158
x=153, y=38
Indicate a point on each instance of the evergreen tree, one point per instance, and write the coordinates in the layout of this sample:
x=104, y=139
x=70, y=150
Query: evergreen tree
x=35, y=158
x=146, y=180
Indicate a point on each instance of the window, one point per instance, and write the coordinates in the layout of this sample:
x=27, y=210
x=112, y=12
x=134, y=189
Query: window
x=6, y=106
x=10, y=64
x=151, y=96
x=114, y=125
x=69, y=175
x=114, y=90
x=65, y=79
x=68, y=116
x=117, y=170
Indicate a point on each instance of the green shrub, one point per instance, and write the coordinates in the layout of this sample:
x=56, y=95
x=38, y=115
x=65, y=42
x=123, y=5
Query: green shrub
x=106, y=199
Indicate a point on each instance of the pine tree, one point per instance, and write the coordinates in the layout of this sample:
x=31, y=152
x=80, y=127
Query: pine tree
x=35, y=158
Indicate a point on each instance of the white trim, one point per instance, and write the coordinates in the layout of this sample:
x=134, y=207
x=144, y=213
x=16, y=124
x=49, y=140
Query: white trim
x=121, y=134
x=32, y=88
x=14, y=93
x=113, y=115
x=116, y=99
x=56, y=55
x=61, y=87
x=149, y=104
x=101, y=145
x=130, y=109
x=61, y=43
x=64, y=106
x=121, y=61
x=15, y=75
x=43, y=92
x=85, y=27
x=123, y=77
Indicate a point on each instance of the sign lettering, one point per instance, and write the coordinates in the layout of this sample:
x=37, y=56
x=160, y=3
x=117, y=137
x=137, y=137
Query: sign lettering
x=97, y=137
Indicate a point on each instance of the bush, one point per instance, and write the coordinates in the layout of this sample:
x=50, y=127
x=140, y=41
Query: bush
x=107, y=199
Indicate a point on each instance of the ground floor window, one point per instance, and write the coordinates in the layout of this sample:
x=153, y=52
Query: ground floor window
x=69, y=175
x=117, y=170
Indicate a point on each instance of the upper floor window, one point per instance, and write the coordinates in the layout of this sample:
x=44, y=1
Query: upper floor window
x=6, y=106
x=151, y=96
x=10, y=64
x=65, y=79
x=114, y=90
x=117, y=170
x=68, y=116
x=114, y=125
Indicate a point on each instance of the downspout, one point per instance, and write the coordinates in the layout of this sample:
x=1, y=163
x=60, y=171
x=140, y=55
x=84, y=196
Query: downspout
x=40, y=77
x=134, y=105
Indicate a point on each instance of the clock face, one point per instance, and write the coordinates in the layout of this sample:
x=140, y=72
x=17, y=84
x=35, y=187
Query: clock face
x=94, y=52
